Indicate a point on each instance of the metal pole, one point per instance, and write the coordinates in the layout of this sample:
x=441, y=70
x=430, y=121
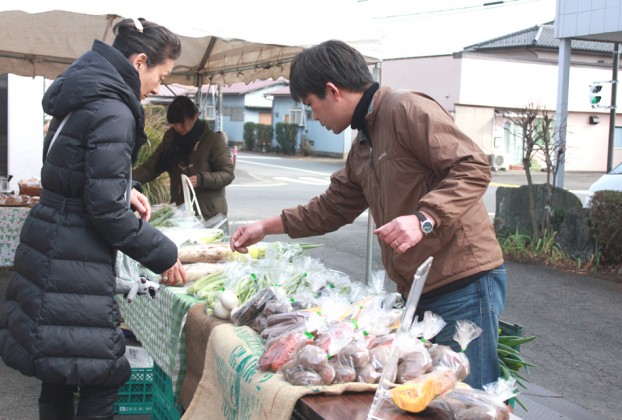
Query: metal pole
x=370, y=219
x=561, y=117
x=612, y=110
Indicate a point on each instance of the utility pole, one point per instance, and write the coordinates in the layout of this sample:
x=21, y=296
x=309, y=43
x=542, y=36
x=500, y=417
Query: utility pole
x=612, y=109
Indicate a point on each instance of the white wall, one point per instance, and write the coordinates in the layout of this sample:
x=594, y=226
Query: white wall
x=418, y=72
x=577, y=18
x=25, y=128
x=508, y=83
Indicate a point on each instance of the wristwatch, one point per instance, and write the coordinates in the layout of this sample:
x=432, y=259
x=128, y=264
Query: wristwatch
x=426, y=225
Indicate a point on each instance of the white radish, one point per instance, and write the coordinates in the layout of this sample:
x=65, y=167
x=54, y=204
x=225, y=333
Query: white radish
x=220, y=311
x=228, y=299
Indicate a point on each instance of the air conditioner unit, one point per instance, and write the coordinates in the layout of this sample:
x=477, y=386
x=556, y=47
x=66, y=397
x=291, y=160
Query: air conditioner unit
x=498, y=162
x=209, y=112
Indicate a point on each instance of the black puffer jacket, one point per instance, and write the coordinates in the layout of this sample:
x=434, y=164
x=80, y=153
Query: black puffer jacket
x=62, y=322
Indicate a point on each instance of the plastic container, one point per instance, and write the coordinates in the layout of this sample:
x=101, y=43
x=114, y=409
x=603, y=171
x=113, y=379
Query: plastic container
x=135, y=396
x=511, y=329
x=165, y=404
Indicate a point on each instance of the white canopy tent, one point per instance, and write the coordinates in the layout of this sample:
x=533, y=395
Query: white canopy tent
x=221, y=43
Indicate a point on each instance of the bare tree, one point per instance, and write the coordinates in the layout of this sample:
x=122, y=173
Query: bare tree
x=538, y=128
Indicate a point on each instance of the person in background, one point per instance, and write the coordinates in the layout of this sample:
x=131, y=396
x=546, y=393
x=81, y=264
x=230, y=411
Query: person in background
x=62, y=322
x=423, y=181
x=191, y=148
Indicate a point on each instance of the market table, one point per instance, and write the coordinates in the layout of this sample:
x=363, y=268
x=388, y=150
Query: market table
x=351, y=406
x=11, y=221
x=213, y=366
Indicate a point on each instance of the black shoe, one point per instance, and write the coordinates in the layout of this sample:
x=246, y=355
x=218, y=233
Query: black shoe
x=62, y=410
x=110, y=417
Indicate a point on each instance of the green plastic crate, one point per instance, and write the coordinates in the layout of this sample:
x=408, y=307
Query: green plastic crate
x=165, y=405
x=511, y=329
x=136, y=395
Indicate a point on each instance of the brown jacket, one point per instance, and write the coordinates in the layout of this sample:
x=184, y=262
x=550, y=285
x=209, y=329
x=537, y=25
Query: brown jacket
x=210, y=160
x=420, y=160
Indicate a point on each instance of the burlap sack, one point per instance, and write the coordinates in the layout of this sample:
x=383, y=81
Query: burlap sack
x=199, y=327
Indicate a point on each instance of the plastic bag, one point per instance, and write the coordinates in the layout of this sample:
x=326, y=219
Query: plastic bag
x=414, y=362
x=127, y=273
x=309, y=363
x=132, y=278
x=468, y=404
x=415, y=395
x=280, y=351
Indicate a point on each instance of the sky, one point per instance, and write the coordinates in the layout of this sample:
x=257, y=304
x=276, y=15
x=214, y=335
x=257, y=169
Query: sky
x=432, y=27
x=379, y=28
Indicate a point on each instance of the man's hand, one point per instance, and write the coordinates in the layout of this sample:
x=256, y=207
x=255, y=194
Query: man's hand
x=245, y=236
x=401, y=233
x=140, y=204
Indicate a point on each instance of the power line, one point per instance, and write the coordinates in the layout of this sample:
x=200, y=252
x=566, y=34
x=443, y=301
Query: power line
x=487, y=5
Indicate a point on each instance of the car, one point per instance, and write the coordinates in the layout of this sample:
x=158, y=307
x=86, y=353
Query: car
x=610, y=181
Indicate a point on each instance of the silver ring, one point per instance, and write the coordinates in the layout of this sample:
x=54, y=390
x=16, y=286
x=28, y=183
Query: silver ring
x=396, y=244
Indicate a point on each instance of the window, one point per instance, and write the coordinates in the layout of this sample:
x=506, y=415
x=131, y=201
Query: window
x=617, y=138
x=235, y=113
x=295, y=116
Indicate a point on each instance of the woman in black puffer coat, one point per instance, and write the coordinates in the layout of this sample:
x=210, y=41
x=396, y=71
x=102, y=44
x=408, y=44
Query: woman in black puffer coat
x=62, y=322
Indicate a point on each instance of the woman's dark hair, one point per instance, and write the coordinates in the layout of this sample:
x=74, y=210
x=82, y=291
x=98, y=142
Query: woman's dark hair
x=157, y=42
x=180, y=109
x=331, y=61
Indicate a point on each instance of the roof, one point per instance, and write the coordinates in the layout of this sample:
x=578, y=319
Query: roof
x=542, y=36
x=244, y=88
x=284, y=91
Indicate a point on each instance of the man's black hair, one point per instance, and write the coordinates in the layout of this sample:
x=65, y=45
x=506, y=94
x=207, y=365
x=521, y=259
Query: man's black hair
x=180, y=109
x=331, y=61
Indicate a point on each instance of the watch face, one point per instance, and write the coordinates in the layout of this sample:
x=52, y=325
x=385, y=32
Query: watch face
x=426, y=227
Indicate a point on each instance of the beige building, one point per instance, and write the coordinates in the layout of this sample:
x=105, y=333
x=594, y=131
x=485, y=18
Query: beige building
x=482, y=84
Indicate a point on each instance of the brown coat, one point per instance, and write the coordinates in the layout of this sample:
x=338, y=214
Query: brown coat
x=210, y=160
x=420, y=161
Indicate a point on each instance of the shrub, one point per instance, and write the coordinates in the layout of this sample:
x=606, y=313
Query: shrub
x=265, y=133
x=606, y=224
x=306, y=147
x=286, y=135
x=250, y=134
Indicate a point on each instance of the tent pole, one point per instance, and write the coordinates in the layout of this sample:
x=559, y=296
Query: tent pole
x=198, y=82
x=370, y=218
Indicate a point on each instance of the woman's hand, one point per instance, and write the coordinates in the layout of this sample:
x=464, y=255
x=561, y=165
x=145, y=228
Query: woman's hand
x=140, y=204
x=174, y=276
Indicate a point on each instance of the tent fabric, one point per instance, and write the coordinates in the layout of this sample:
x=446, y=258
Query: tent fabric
x=45, y=43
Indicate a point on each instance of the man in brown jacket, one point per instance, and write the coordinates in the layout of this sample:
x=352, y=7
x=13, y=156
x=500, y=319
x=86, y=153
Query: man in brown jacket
x=423, y=181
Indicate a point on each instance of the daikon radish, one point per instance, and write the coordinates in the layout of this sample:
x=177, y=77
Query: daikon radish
x=206, y=253
x=195, y=271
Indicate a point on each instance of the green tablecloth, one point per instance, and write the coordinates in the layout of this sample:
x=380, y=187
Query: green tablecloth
x=11, y=221
x=159, y=325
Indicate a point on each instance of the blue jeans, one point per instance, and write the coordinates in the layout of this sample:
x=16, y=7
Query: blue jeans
x=481, y=302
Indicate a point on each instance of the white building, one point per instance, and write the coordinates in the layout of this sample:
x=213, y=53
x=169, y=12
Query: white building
x=484, y=82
